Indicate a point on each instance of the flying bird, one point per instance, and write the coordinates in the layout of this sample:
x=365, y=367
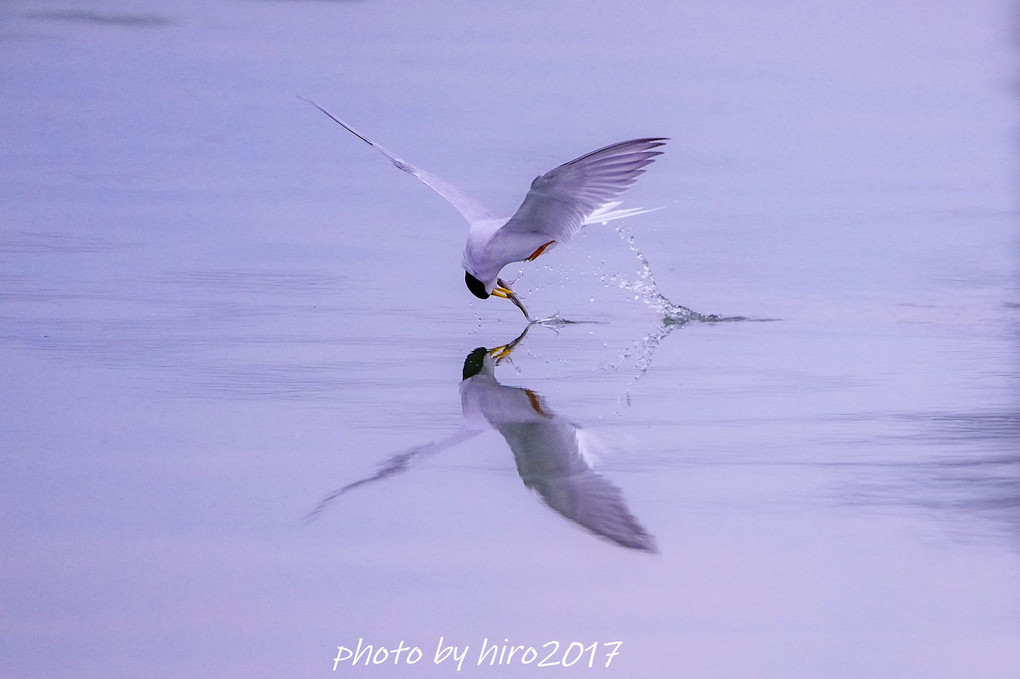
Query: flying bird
x=558, y=204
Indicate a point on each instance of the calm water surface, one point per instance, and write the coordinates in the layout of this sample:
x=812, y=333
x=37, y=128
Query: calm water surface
x=217, y=308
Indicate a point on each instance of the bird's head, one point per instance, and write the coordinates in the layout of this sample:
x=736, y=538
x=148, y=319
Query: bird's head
x=495, y=288
x=475, y=362
x=476, y=287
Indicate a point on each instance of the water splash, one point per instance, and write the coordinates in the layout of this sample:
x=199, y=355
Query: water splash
x=646, y=291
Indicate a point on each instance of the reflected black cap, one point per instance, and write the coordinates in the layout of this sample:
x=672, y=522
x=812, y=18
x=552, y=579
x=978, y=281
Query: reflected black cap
x=474, y=362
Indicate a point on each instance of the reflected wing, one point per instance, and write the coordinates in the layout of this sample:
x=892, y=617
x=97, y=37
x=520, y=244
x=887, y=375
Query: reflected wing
x=561, y=200
x=468, y=207
x=396, y=464
x=551, y=461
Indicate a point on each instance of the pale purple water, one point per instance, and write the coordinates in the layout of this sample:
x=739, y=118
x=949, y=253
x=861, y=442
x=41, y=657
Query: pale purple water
x=216, y=307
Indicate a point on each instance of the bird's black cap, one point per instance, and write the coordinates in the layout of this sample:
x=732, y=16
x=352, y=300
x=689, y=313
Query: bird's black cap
x=474, y=362
x=476, y=287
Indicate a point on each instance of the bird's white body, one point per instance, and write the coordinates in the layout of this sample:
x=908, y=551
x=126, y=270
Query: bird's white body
x=478, y=250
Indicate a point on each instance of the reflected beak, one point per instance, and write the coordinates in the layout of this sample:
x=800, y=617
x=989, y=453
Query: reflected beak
x=499, y=353
x=503, y=290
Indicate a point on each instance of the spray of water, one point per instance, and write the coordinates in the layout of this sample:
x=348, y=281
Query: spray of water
x=644, y=289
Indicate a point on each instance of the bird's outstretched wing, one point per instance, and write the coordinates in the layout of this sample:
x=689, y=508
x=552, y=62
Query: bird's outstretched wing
x=472, y=210
x=563, y=199
x=396, y=464
x=551, y=460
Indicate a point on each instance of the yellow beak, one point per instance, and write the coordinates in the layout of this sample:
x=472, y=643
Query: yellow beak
x=499, y=353
x=503, y=290
x=505, y=293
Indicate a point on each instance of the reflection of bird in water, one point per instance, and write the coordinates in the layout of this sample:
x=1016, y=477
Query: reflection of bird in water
x=555, y=208
x=552, y=454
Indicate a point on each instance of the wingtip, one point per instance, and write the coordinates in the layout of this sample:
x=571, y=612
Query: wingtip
x=639, y=541
x=648, y=547
x=651, y=141
x=341, y=123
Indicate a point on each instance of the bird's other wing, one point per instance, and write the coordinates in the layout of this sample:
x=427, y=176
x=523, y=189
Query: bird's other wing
x=561, y=200
x=551, y=461
x=396, y=464
x=472, y=210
